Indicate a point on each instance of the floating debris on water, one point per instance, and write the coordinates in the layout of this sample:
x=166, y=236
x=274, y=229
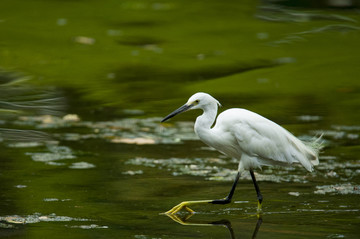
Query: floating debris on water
x=71, y=136
x=348, y=133
x=331, y=167
x=130, y=172
x=332, y=174
x=309, y=118
x=138, y=141
x=142, y=237
x=50, y=200
x=38, y=217
x=241, y=202
x=346, y=127
x=82, y=165
x=336, y=236
x=91, y=226
x=20, y=186
x=84, y=40
x=338, y=189
x=296, y=194
x=25, y=144
x=13, y=219
x=52, y=163
x=133, y=112
x=56, y=153
x=71, y=117
x=48, y=157
x=46, y=121
x=149, y=131
x=127, y=131
x=215, y=170
x=7, y=225
x=56, y=200
x=184, y=166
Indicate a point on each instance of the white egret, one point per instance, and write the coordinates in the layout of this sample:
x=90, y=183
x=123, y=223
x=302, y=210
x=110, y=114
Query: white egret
x=250, y=138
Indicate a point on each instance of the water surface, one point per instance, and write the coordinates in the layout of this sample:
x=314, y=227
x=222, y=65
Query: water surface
x=83, y=88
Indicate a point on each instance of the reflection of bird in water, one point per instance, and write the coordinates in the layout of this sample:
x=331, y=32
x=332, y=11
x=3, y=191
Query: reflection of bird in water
x=252, y=139
x=225, y=223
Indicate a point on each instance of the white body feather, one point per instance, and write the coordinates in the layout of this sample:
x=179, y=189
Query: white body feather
x=252, y=139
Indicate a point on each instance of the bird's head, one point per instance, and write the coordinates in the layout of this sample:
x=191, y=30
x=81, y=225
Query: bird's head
x=197, y=101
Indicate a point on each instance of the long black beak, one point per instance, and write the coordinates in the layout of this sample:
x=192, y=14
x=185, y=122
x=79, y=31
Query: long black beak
x=178, y=111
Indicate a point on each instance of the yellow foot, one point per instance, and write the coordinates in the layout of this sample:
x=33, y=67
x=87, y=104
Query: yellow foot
x=189, y=210
x=186, y=205
x=177, y=208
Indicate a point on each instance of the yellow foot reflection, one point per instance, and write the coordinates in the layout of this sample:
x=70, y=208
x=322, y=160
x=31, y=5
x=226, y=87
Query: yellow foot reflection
x=180, y=220
x=183, y=219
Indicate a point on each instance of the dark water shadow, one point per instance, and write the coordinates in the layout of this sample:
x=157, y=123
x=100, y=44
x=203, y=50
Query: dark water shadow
x=143, y=73
x=185, y=221
x=140, y=78
x=139, y=41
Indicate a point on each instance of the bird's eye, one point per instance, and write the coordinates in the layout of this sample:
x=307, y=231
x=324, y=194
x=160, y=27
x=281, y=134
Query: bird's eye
x=197, y=101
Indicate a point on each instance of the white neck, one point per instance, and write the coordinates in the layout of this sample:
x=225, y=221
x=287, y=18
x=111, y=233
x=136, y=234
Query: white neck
x=204, y=122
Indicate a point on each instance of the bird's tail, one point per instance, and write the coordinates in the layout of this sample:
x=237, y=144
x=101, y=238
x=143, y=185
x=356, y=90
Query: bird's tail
x=316, y=145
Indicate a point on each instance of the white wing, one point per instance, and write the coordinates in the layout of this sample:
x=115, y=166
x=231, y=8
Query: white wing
x=264, y=142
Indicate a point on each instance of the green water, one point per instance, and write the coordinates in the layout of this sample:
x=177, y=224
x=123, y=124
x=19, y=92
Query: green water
x=102, y=166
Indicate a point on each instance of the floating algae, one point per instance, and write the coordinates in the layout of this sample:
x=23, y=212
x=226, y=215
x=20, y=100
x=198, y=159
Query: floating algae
x=81, y=165
x=126, y=131
x=91, y=226
x=215, y=169
x=38, y=217
x=56, y=153
x=149, y=131
x=343, y=189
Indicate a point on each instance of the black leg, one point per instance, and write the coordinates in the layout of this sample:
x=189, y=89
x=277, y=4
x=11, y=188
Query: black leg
x=186, y=204
x=229, y=197
x=227, y=224
x=259, y=196
x=256, y=230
